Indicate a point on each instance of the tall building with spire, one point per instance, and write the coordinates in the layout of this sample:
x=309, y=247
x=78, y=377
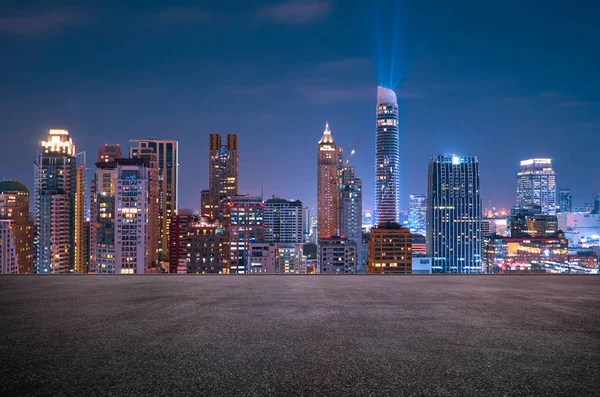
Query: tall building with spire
x=328, y=164
x=167, y=159
x=387, y=158
x=54, y=215
x=222, y=176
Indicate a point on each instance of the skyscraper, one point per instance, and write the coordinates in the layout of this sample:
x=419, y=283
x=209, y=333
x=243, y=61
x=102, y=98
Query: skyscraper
x=390, y=249
x=222, y=175
x=536, y=184
x=14, y=205
x=565, y=202
x=417, y=213
x=55, y=187
x=245, y=227
x=167, y=153
x=387, y=158
x=454, y=215
x=328, y=164
x=350, y=211
x=597, y=203
x=337, y=255
x=283, y=221
x=81, y=237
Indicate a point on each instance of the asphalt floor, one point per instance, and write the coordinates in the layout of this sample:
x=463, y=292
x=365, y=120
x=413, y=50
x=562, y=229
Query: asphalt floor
x=529, y=335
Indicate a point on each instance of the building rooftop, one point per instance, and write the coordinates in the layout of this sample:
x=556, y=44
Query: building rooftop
x=12, y=186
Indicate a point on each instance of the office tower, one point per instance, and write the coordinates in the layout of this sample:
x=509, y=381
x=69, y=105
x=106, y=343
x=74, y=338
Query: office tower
x=277, y=258
x=206, y=208
x=102, y=210
x=306, y=229
x=55, y=187
x=245, y=227
x=387, y=157
x=597, y=203
x=454, y=215
x=337, y=255
x=328, y=164
x=167, y=156
x=529, y=222
x=283, y=221
x=536, y=185
x=14, y=205
x=8, y=248
x=81, y=241
x=350, y=211
x=222, y=175
x=565, y=201
x=417, y=213
x=132, y=251
x=390, y=250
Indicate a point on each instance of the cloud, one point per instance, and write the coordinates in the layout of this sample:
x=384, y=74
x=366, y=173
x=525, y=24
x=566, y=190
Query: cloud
x=549, y=94
x=43, y=21
x=183, y=15
x=347, y=63
x=578, y=104
x=296, y=12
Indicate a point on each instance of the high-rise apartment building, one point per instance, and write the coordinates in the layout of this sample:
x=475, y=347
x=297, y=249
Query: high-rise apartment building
x=387, y=158
x=390, y=249
x=81, y=246
x=245, y=227
x=306, y=227
x=454, y=214
x=565, y=201
x=417, y=213
x=597, y=203
x=54, y=215
x=283, y=221
x=328, y=164
x=337, y=255
x=132, y=249
x=350, y=211
x=536, y=185
x=222, y=176
x=14, y=205
x=167, y=158
x=8, y=248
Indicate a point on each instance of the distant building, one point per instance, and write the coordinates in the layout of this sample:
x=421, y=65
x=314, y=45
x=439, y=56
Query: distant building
x=417, y=213
x=565, y=201
x=337, y=255
x=328, y=164
x=178, y=239
x=536, y=185
x=529, y=222
x=419, y=245
x=491, y=226
x=8, y=249
x=421, y=265
x=14, y=205
x=54, y=195
x=390, y=250
x=350, y=210
x=262, y=258
x=597, y=203
x=283, y=221
x=277, y=258
x=579, y=227
x=245, y=227
x=454, y=214
x=222, y=176
x=306, y=227
x=81, y=248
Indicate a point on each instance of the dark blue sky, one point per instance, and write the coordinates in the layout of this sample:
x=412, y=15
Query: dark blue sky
x=504, y=81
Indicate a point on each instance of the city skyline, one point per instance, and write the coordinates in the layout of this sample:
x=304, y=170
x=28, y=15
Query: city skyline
x=462, y=95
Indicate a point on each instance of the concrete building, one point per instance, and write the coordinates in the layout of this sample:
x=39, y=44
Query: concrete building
x=8, y=248
x=387, y=158
x=306, y=226
x=529, y=222
x=222, y=176
x=337, y=255
x=350, y=211
x=417, y=213
x=178, y=250
x=277, y=258
x=245, y=227
x=565, y=200
x=422, y=265
x=283, y=221
x=132, y=239
x=454, y=214
x=167, y=159
x=262, y=258
x=491, y=226
x=14, y=205
x=81, y=246
x=526, y=254
x=419, y=245
x=579, y=227
x=390, y=250
x=54, y=192
x=328, y=164
x=536, y=185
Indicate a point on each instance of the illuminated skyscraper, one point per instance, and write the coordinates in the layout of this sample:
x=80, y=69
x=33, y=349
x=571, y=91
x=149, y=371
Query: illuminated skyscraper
x=14, y=205
x=454, y=215
x=167, y=153
x=283, y=221
x=565, y=201
x=350, y=212
x=387, y=157
x=328, y=164
x=55, y=187
x=222, y=176
x=417, y=213
x=390, y=249
x=81, y=238
x=536, y=184
x=245, y=227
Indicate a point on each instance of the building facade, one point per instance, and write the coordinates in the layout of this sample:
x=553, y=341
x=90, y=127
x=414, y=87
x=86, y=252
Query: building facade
x=245, y=227
x=8, y=248
x=283, y=221
x=328, y=163
x=417, y=213
x=167, y=185
x=337, y=255
x=81, y=247
x=54, y=215
x=14, y=205
x=222, y=175
x=387, y=158
x=565, y=200
x=536, y=185
x=390, y=250
x=454, y=214
x=350, y=211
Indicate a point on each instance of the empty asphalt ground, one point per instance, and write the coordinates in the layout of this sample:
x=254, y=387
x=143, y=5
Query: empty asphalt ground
x=300, y=335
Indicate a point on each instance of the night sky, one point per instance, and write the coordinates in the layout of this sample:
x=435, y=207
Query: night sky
x=503, y=80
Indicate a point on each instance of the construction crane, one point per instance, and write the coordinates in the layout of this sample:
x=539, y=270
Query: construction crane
x=351, y=153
